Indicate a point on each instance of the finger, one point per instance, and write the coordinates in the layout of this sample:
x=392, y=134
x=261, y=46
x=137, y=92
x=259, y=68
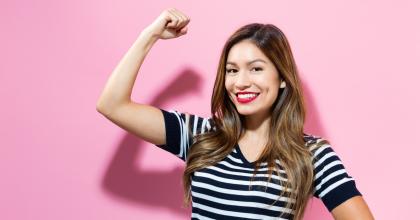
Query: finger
x=177, y=13
x=178, y=18
x=183, y=18
x=167, y=16
x=173, y=20
x=183, y=31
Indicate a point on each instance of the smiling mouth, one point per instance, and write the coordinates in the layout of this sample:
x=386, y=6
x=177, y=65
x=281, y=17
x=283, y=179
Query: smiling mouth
x=246, y=98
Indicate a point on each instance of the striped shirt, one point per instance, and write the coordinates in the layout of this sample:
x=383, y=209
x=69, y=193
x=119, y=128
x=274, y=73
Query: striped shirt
x=222, y=191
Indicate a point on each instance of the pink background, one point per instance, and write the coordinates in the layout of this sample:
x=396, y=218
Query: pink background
x=60, y=159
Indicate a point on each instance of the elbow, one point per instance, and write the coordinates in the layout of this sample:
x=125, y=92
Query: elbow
x=99, y=109
x=106, y=108
x=102, y=109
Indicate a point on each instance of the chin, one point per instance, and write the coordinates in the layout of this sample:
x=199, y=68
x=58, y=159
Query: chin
x=246, y=111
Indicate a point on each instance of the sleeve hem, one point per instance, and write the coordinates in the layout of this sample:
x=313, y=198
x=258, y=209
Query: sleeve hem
x=345, y=191
x=171, y=130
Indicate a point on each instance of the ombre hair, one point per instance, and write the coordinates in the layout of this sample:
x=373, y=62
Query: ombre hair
x=286, y=142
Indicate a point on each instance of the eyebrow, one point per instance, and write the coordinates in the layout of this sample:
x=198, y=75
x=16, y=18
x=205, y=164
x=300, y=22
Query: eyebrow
x=252, y=61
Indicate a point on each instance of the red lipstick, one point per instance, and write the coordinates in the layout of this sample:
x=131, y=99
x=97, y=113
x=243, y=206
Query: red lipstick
x=248, y=98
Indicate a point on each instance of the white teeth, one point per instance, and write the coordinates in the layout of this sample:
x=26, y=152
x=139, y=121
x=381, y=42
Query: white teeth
x=244, y=96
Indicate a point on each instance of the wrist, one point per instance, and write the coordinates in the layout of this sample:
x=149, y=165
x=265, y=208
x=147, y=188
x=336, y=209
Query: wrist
x=150, y=34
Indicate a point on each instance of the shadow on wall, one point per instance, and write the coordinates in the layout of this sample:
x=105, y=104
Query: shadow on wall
x=123, y=178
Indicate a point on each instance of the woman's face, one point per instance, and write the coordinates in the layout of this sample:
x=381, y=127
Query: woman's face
x=248, y=70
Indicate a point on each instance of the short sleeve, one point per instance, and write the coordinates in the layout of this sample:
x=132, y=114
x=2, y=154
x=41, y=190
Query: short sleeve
x=332, y=184
x=181, y=128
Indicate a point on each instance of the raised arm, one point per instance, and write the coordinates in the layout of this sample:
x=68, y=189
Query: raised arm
x=115, y=102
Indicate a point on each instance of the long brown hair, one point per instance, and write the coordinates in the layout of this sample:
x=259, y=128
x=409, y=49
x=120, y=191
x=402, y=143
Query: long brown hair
x=286, y=142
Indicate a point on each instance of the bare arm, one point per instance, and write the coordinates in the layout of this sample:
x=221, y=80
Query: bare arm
x=115, y=102
x=120, y=84
x=354, y=208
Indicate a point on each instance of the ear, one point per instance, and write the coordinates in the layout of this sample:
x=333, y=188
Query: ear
x=283, y=84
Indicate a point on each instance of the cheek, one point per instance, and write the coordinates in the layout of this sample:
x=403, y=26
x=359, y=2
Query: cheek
x=275, y=94
x=228, y=85
x=272, y=83
x=273, y=77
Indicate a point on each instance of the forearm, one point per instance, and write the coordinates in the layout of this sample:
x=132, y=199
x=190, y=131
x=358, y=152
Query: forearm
x=120, y=84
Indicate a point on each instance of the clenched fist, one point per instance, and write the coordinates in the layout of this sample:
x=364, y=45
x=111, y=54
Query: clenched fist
x=171, y=23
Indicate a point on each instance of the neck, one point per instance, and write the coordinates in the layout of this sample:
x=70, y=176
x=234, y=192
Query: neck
x=257, y=126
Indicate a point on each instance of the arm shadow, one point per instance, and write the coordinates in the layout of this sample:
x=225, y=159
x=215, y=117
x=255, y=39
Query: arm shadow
x=123, y=178
x=313, y=125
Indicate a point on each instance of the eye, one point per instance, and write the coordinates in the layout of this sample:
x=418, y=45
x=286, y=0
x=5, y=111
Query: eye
x=229, y=70
x=257, y=68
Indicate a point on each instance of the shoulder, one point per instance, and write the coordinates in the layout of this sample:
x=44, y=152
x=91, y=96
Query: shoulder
x=332, y=183
x=318, y=146
x=313, y=141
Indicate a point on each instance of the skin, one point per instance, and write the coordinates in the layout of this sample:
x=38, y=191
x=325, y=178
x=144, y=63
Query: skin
x=354, y=208
x=263, y=77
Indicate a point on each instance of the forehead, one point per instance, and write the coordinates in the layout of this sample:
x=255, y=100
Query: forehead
x=244, y=52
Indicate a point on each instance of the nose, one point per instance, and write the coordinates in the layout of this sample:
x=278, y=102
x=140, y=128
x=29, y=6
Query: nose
x=243, y=80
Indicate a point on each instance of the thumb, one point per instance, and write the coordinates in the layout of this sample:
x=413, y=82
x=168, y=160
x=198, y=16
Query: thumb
x=183, y=31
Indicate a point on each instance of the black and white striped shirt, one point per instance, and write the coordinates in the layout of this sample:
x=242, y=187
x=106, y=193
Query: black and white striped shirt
x=222, y=191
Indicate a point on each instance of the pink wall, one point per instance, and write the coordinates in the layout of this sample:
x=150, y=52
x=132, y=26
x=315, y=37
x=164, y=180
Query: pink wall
x=60, y=159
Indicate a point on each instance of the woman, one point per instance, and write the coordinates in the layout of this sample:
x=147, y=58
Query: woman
x=251, y=158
